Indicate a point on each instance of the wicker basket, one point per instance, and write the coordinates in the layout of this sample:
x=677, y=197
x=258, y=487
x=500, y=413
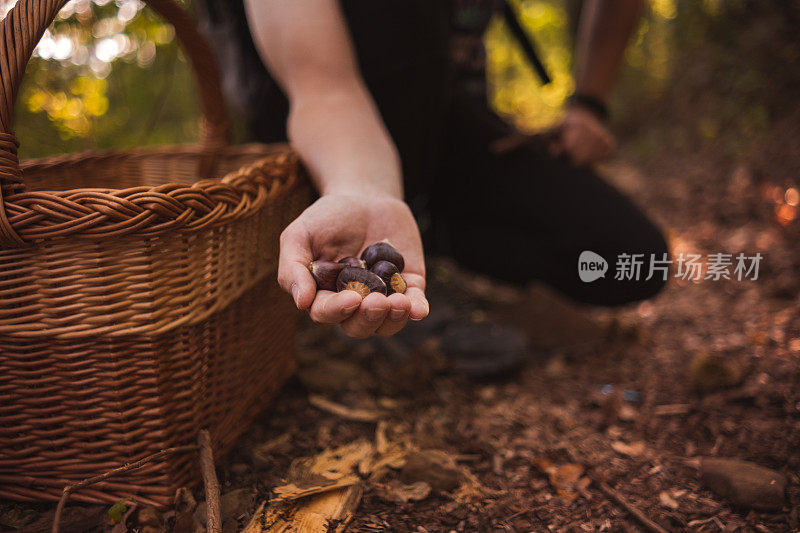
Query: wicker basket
x=137, y=304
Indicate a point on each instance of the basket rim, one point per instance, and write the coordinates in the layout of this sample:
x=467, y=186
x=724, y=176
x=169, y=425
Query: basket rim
x=100, y=213
x=39, y=164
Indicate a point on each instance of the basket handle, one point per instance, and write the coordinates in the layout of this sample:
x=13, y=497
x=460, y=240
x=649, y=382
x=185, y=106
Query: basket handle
x=22, y=29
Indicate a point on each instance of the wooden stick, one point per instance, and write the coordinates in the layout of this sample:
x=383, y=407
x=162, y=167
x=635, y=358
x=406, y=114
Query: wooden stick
x=634, y=511
x=69, y=489
x=348, y=413
x=213, y=520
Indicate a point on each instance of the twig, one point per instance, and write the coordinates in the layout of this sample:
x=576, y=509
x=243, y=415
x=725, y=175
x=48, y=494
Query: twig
x=634, y=511
x=348, y=413
x=617, y=498
x=69, y=489
x=213, y=521
x=518, y=513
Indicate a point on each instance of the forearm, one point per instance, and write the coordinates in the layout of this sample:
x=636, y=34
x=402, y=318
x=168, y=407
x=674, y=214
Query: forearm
x=343, y=142
x=333, y=122
x=604, y=31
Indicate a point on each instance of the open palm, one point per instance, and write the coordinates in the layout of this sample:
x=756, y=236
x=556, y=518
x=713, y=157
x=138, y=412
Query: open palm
x=336, y=226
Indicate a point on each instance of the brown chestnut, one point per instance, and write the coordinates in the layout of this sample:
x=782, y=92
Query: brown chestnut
x=383, y=251
x=359, y=280
x=353, y=262
x=390, y=276
x=325, y=273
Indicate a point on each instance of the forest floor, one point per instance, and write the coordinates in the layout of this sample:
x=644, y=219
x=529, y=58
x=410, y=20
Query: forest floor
x=628, y=399
x=612, y=404
x=634, y=396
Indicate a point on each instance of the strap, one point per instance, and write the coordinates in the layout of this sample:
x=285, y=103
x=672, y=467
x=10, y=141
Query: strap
x=525, y=41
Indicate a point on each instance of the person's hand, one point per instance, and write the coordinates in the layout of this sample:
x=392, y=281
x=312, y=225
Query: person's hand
x=340, y=225
x=581, y=137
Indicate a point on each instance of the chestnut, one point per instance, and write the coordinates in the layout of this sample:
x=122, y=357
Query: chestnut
x=383, y=251
x=390, y=276
x=353, y=262
x=360, y=280
x=325, y=273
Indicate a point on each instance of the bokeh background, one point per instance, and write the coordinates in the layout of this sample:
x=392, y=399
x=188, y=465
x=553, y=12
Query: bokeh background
x=703, y=75
x=105, y=63
x=708, y=119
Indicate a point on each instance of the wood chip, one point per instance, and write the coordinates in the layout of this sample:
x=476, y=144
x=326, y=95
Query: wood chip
x=323, y=492
x=356, y=414
x=634, y=449
x=667, y=500
x=291, y=491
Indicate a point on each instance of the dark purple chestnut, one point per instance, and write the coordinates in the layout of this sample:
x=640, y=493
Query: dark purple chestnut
x=360, y=280
x=353, y=262
x=390, y=276
x=325, y=273
x=383, y=251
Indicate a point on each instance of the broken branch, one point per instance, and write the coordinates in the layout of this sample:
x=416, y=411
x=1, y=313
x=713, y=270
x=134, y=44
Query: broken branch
x=634, y=511
x=214, y=522
x=69, y=489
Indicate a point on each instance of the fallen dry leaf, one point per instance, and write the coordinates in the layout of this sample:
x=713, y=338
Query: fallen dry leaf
x=330, y=512
x=331, y=469
x=292, y=491
x=326, y=489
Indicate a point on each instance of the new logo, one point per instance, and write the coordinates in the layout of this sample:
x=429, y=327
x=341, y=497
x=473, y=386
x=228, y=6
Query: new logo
x=591, y=266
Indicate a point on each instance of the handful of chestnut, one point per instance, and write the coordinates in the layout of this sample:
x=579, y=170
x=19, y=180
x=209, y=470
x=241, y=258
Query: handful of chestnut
x=377, y=270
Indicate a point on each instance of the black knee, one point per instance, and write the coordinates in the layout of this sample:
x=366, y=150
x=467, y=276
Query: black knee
x=637, y=268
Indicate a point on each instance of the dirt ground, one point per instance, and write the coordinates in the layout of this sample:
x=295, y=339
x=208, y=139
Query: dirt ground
x=628, y=399
x=634, y=396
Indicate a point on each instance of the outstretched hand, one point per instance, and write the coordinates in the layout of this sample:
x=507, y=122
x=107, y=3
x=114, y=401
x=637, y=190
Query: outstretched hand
x=339, y=225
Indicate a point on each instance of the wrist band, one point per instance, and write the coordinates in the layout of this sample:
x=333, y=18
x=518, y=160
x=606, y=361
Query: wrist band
x=590, y=103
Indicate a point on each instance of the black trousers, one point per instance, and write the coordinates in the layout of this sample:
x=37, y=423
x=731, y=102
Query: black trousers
x=525, y=216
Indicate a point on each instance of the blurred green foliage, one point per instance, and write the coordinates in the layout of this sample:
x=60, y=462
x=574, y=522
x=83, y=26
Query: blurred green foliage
x=696, y=72
x=515, y=89
x=109, y=73
x=105, y=75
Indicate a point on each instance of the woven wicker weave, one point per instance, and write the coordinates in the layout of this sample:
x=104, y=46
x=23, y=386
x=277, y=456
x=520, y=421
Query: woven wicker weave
x=137, y=304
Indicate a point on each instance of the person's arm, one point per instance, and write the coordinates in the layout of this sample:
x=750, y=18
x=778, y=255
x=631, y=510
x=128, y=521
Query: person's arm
x=337, y=130
x=306, y=46
x=605, y=28
x=603, y=34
